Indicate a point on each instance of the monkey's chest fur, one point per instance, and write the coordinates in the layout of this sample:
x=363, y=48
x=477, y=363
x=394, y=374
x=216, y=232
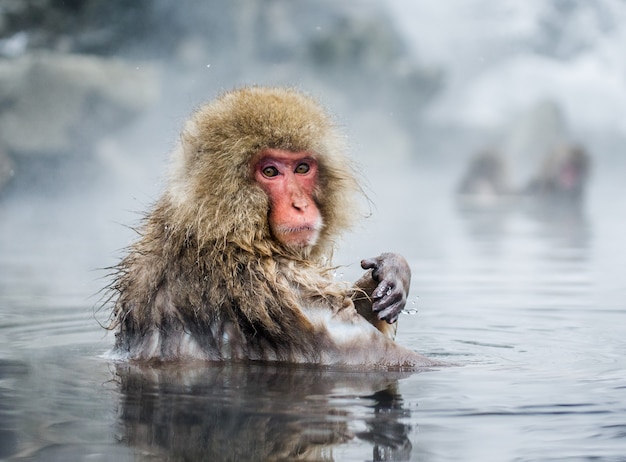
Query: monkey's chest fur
x=316, y=334
x=212, y=307
x=238, y=306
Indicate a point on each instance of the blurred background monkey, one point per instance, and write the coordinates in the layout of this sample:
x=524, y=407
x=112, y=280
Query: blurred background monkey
x=564, y=174
x=233, y=262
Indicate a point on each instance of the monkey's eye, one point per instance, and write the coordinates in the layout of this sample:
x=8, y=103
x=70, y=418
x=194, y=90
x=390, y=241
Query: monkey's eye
x=270, y=171
x=302, y=168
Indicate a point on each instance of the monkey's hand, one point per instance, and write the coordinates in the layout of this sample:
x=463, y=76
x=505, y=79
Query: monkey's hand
x=392, y=275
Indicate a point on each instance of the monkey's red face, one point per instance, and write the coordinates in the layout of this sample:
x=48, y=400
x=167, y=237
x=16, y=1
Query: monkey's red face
x=289, y=179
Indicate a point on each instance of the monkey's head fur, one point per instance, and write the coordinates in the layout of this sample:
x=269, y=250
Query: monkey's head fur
x=206, y=261
x=211, y=189
x=206, y=264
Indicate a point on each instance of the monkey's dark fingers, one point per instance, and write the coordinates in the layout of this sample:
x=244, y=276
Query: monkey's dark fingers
x=391, y=313
x=369, y=263
x=393, y=298
x=389, y=306
x=374, y=265
x=383, y=290
x=387, y=301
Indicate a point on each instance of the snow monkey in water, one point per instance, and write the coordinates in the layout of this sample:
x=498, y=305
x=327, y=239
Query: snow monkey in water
x=233, y=261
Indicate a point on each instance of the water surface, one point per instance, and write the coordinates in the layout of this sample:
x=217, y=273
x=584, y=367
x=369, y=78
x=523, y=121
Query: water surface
x=529, y=301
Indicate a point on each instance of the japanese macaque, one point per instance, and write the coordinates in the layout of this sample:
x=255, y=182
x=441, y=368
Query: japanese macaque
x=485, y=177
x=233, y=261
x=563, y=175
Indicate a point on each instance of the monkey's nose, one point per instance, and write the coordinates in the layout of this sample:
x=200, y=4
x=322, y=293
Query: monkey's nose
x=299, y=198
x=300, y=202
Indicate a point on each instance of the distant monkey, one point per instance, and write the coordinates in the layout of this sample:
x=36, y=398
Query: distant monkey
x=485, y=176
x=233, y=261
x=563, y=175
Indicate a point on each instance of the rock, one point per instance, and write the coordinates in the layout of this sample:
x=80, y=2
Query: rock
x=58, y=104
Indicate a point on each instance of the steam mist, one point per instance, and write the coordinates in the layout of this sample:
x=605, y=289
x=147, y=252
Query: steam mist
x=419, y=88
x=512, y=276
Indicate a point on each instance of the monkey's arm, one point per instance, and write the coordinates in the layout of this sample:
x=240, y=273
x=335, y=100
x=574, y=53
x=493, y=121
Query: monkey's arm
x=380, y=294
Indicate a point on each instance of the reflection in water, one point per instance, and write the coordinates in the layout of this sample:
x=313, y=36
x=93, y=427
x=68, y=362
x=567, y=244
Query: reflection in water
x=537, y=250
x=259, y=412
x=560, y=223
x=563, y=223
x=486, y=223
x=9, y=370
x=384, y=430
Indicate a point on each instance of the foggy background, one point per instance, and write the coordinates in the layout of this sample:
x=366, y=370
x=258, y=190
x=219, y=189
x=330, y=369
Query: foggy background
x=529, y=299
x=93, y=95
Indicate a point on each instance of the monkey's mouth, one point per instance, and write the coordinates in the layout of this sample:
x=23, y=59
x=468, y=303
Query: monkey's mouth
x=298, y=229
x=298, y=236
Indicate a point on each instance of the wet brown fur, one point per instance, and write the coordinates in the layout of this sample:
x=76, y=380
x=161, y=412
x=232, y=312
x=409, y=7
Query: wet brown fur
x=206, y=280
